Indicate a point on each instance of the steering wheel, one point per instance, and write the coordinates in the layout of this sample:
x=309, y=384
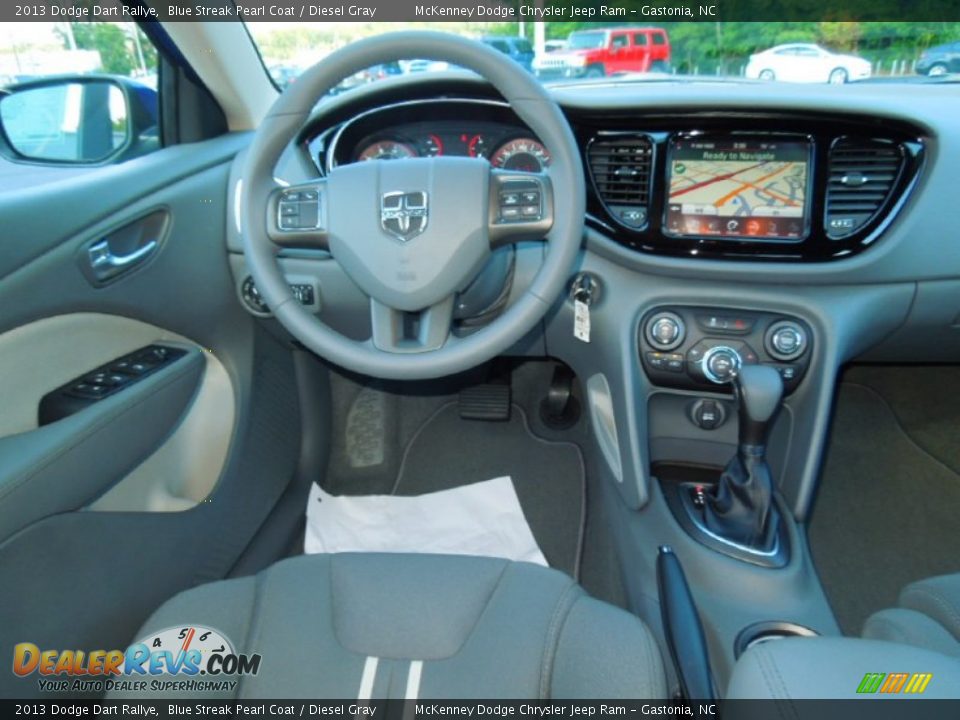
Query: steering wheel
x=412, y=233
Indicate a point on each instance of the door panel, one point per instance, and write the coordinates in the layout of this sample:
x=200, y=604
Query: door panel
x=65, y=465
x=45, y=354
x=121, y=505
x=39, y=217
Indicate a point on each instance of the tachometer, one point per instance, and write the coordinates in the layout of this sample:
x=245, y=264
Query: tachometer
x=387, y=150
x=522, y=155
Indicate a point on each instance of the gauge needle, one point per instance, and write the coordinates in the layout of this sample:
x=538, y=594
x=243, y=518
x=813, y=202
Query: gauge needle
x=186, y=641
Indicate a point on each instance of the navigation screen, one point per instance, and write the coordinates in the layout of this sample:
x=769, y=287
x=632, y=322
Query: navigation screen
x=730, y=187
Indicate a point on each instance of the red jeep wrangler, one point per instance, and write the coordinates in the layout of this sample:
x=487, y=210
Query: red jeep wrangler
x=607, y=51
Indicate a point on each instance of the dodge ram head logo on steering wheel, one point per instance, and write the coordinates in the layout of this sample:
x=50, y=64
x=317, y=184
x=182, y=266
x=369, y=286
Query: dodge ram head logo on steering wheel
x=404, y=214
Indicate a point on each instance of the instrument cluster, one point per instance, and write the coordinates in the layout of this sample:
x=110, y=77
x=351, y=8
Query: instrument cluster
x=506, y=147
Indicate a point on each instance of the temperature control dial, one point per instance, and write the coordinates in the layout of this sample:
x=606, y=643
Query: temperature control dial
x=720, y=364
x=786, y=340
x=665, y=331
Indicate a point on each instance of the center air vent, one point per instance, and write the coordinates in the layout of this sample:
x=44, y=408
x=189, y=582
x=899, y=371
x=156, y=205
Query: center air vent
x=863, y=174
x=620, y=169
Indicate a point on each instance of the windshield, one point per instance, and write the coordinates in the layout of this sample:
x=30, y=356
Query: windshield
x=586, y=40
x=771, y=52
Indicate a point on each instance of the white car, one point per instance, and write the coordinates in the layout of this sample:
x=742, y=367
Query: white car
x=806, y=62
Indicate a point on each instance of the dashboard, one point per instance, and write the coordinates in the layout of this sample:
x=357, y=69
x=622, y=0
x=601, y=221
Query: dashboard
x=706, y=184
x=872, y=271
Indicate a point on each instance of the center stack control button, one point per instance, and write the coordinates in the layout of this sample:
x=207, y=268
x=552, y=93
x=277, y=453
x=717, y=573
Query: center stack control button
x=708, y=414
x=720, y=364
x=665, y=331
x=786, y=340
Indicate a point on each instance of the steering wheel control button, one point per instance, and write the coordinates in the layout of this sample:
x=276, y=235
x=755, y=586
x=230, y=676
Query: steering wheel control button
x=720, y=364
x=520, y=201
x=665, y=331
x=299, y=210
x=786, y=340
x=708, y=414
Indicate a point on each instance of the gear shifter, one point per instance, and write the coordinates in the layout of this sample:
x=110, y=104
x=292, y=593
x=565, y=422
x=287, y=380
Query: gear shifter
x=740, y=507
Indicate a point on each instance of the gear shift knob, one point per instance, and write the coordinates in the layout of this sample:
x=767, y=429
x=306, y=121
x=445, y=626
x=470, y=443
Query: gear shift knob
x=758, y=390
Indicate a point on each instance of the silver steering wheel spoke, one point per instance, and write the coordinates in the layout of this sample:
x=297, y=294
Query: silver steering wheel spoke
x=402, y=331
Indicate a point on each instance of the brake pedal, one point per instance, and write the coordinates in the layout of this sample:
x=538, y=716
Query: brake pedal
x=490, y=402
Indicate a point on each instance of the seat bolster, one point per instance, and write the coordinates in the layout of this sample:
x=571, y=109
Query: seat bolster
x=226, y=606
x=938, y=597
x=626, y=664
x=911, y=628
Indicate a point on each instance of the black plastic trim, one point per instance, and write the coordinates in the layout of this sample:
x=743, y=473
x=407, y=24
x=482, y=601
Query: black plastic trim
x=824, y=131
x=83, y=391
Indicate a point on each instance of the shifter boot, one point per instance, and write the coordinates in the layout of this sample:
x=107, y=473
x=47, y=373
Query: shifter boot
x=738, y=508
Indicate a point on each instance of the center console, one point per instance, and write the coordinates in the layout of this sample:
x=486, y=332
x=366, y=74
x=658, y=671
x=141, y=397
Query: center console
x=725, y=500
x=719, y=430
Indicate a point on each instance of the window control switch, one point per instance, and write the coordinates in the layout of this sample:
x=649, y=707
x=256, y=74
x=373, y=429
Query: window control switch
x=104, y=381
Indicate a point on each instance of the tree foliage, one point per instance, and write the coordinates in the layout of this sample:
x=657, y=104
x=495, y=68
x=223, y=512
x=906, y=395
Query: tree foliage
x=115, y=44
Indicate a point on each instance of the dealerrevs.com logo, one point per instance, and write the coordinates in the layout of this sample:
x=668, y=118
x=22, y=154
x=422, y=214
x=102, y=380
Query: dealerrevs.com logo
x=178, y=659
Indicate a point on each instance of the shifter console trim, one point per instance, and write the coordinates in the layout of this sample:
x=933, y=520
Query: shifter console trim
x=679, y=492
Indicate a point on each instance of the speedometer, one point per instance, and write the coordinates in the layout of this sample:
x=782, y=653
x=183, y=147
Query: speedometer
x=387, y=150
x=522, y=154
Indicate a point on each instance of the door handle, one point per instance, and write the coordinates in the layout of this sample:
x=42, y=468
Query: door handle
x=106, y=265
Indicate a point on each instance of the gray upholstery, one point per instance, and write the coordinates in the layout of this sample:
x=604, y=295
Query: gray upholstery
x=483, y=627
x=928, y=616
x=833, y=668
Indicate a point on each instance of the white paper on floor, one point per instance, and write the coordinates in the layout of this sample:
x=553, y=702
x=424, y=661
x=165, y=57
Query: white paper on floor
x=480, y=519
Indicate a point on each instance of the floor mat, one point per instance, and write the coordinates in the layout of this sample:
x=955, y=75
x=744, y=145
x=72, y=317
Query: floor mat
x=886, y=511
x=482, y=518
x=548, y=476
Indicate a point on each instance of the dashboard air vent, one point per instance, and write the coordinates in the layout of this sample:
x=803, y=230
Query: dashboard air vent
x=863, y=174
x=620, y=169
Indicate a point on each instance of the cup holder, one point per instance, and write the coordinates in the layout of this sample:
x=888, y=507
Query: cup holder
x=767, y=631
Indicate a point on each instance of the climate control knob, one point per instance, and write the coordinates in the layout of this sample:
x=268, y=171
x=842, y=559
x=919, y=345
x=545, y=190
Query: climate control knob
x=665, y=331
x=786, y=340
x=720, y=364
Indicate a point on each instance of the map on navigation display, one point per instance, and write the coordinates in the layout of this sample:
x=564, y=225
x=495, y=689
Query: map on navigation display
x=738, y=189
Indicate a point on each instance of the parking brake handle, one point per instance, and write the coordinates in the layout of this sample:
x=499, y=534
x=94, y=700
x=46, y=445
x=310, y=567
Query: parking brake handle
x=681, y=625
